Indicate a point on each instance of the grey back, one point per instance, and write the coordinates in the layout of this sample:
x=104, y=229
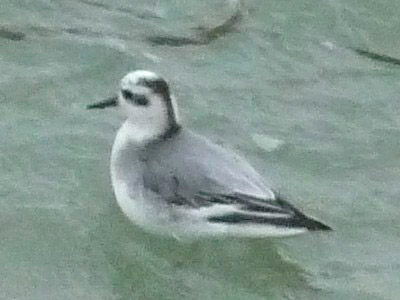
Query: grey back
x=187, y=164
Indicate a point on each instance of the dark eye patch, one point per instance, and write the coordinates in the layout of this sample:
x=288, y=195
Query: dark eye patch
x=141, y=100
x=135, y=98
x=128, y=95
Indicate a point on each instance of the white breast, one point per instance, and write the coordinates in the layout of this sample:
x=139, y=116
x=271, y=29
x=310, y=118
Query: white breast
x=126, y=179
x=137, y=203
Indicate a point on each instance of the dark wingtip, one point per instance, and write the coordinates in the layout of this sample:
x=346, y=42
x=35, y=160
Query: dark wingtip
x=302, y=220
x=314, y=225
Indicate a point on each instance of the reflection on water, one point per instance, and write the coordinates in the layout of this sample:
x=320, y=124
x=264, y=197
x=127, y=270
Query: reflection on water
x=139, y=262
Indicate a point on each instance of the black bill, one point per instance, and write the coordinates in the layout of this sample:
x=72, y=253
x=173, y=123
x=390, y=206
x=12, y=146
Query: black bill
x=110, y=102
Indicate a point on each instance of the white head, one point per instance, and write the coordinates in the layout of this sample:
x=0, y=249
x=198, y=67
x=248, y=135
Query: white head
x=144, y=98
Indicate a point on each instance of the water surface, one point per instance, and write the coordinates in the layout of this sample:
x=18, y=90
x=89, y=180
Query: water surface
x=284, y=88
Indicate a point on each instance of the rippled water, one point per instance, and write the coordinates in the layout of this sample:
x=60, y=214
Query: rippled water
x=283, y=86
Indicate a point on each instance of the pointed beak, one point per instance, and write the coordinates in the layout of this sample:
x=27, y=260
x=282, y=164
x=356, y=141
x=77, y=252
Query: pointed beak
x=109, y=102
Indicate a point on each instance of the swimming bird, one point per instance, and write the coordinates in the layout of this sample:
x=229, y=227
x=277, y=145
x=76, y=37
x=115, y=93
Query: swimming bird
x=169, y=180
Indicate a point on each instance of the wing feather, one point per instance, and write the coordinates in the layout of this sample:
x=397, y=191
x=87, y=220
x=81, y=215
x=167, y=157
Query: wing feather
x=238, y=208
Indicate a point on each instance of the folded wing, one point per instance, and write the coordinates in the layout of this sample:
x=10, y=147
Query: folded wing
x=238, y=208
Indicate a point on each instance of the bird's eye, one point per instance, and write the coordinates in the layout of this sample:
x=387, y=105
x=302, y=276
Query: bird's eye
x=135, y=98
x=128, y=95
x=141, y=100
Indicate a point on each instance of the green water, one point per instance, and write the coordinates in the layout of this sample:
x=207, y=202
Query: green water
x=284, y=89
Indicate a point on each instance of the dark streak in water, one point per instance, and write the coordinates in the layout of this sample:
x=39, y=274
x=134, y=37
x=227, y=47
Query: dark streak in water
x=174, y=41
x=96, y=4
x=86, y=32
x=82, y=32
x=12, y=35
x=377, y=56
x=221, y=30
x=125, y=10
x=19, y=34
x=203, y=37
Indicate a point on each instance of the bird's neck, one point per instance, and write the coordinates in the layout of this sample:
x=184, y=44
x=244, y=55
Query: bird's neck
x=141, y=136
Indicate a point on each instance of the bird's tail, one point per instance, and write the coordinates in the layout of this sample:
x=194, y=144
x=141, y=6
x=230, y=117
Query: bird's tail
x=299, y=219
x=252, y=216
